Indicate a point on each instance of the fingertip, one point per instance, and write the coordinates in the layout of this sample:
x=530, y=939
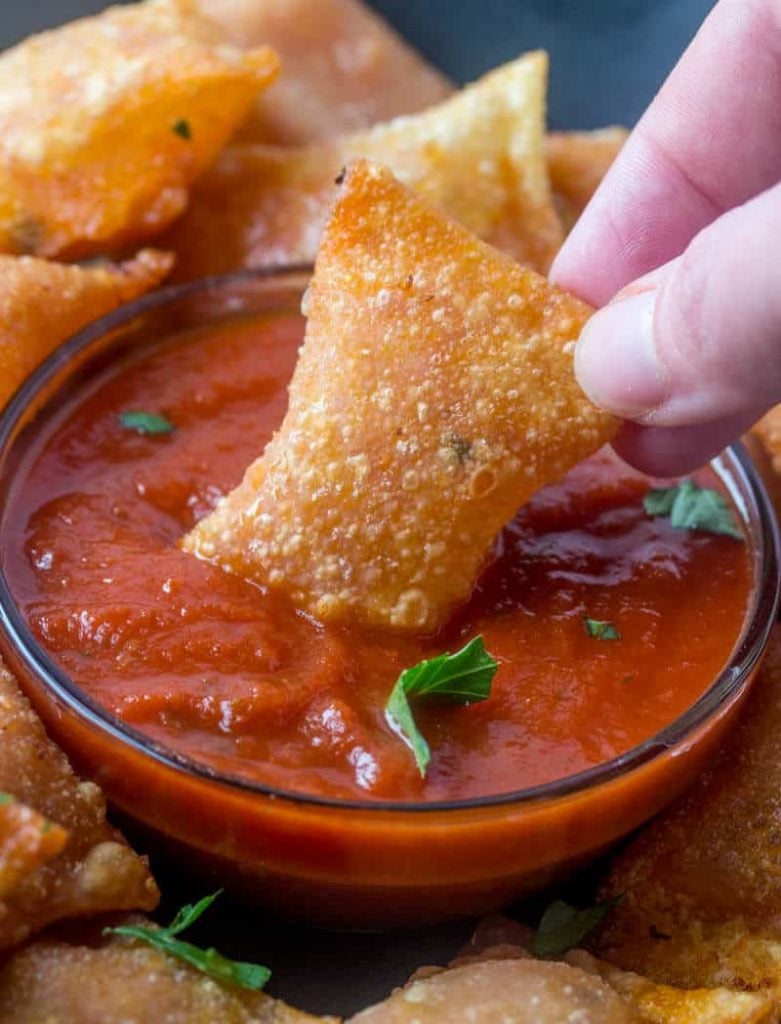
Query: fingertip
x=616, y=362
x=674, y=451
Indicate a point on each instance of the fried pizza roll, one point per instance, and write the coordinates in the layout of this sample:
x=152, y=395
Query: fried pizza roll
x=27, y=840
x=664, y=1004
x=702, y=882
x=500, y=938
x=95, y=870
x=480, y=157
x=105, y=123
x=433, y=395
x=519, y=991
x=43, y=303
x=344, y=68
x=577, y=163
x=123, y=982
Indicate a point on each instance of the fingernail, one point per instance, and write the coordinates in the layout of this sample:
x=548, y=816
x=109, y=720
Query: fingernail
x=616, y=362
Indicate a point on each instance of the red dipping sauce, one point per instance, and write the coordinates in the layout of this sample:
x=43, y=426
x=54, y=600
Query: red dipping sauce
x=234, y=677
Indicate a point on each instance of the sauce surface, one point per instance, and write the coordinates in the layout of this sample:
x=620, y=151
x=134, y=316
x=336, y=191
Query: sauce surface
x=231, y=675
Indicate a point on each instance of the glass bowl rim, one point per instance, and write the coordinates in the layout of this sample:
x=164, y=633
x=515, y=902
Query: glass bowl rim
x=745, y=656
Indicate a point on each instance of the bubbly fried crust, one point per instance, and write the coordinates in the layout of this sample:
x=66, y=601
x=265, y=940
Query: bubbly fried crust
x=519, y=991
x=479, y=156
x=664, y=1004
x=433, y=395
x=27, y=840
x=96, y=871
x=577, y=162
x=43, y=303
x=702, y=883
x=500, y=938
x=344, y=68
x=105, y=122
x=125, y=983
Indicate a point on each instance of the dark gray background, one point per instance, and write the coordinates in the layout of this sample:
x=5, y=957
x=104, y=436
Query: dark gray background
x=607, y=59
x=607, y=56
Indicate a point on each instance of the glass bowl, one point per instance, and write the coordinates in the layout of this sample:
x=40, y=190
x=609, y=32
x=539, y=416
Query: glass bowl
x=338, y=862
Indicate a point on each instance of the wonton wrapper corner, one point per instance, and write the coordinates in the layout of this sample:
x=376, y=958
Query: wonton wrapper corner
x=94, y=870
x=105, y=123
x=433, y=395
x=479, y=156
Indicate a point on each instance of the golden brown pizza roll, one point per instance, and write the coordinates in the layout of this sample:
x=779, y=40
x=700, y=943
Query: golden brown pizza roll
x=105, y=123
x=43, y=303
x=124, y=982
x=433, y=395
x=95, y=870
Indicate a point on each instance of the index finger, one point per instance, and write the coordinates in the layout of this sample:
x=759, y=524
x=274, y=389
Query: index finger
x=710, y=140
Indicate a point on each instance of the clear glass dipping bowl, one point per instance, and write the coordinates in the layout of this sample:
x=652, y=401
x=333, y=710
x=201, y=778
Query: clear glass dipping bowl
x=340, y=862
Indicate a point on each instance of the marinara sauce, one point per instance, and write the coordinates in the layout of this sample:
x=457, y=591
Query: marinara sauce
x=235, y=677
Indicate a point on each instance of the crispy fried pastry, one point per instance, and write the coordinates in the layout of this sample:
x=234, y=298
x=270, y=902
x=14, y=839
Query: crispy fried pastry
x=27, y=840
x=43, y=303
x=105, y=123
x=480, y=157
x=122, y=982
x=702, y=883
x=433, y=395
x=95, y=870
x=519, y=991
x=577, y=162
x=499, y=938
x=344, y=68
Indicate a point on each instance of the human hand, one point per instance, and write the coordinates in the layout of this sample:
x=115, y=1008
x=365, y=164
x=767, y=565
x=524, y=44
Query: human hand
x=684, y=236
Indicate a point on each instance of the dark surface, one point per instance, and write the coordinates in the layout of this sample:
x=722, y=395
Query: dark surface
x=607, y=59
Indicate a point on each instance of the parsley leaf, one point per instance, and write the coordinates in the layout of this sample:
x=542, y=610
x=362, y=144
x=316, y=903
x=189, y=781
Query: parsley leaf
x=600, y=630
x=689, y=507
x=146, y=422
x=208, y=961
x=460, y=678
x=181, y=127
x=563, y=927
x=6, y=798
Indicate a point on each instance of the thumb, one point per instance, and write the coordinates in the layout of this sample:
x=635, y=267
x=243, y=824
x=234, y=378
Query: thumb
x=693, y=349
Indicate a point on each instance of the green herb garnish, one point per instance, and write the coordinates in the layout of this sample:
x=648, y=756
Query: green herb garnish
x=563, y=927
x=181, y=127
x=146, y=422
x=461, y=678
x=689, y=507
x=600, y=629
x=6, y=798
x=208, y=961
